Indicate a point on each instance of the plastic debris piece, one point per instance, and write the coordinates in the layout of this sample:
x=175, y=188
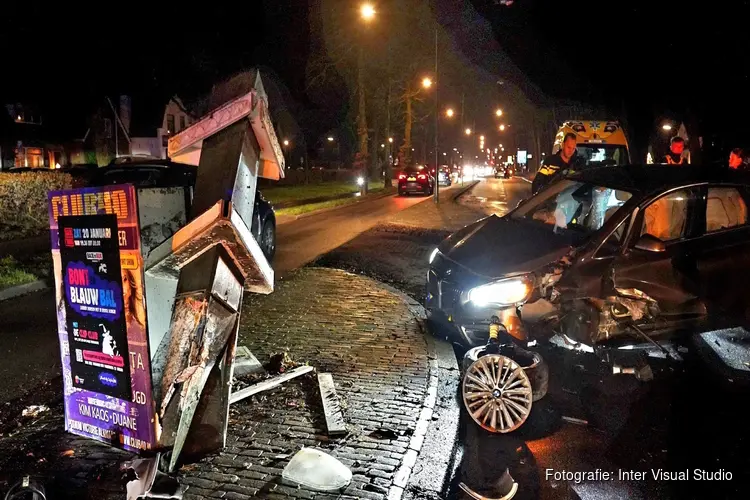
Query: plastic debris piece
x=316, y=470
x=34, y=410
x=149, y=481
x=68, y=453
x=576, y=421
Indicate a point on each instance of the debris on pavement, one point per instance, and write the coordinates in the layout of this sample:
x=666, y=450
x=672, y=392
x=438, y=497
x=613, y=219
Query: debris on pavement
x=34, y=410
x=384, y=433
x=280, y=363
x=245, y=363
x=576, y=421
x=149, y=481
x=317, y=470
x=268, y=384
x=25, y=487
x=67, y=453
x=331, y=405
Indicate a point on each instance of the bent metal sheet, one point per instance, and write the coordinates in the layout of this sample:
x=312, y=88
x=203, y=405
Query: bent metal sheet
x=101, y=315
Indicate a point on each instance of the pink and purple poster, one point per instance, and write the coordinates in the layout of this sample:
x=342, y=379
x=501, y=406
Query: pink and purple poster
x=101, y=315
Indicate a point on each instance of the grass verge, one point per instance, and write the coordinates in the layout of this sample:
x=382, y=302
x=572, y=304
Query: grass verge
x=311, y=207
x=13, y=274
x=280, y=194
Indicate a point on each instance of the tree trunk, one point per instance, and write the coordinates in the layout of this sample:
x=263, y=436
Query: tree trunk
x=405, y=153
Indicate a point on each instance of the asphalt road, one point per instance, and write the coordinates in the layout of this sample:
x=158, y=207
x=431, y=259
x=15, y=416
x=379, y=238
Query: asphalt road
x=496, y=196
x=301, y=241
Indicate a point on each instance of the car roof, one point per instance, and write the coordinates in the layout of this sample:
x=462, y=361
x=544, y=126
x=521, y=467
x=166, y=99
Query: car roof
x=655, y=177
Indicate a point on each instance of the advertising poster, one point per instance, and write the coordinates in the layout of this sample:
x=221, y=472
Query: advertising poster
x=101, y=315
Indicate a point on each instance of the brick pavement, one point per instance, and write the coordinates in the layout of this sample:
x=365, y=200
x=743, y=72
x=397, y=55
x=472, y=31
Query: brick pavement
x=348, y=325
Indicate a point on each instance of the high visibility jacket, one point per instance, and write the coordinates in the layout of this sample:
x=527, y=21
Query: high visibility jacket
x=551, y=168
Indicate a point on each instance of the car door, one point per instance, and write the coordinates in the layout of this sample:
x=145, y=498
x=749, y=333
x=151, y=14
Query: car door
x=723, y=250
x=658, y=257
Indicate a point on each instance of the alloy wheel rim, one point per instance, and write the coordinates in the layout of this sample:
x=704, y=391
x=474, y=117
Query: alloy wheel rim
x=497, y=393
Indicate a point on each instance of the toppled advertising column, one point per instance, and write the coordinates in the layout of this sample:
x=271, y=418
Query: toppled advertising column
x=148, y=319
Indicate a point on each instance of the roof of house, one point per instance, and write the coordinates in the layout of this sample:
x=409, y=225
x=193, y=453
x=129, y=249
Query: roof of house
x=147, y=114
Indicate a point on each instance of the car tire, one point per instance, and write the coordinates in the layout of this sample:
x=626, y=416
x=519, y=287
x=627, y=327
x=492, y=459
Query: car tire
x=268, y=239
x=533, y=365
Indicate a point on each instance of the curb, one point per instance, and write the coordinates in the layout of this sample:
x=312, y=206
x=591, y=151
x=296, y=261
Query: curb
x=18, y=290
x=284, y=219
x=464, y=189
x=426, y=467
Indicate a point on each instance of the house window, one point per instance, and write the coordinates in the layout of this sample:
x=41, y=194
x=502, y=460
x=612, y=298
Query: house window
x=170, y=124
x=182, y=122
x=107, y=128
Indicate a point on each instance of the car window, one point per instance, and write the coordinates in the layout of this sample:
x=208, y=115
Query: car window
x=666, y=217
x=139, y=177
x=574, y=205
x=725, y=208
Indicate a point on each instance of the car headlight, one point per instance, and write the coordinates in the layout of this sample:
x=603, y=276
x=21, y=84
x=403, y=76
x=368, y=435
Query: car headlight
x=506, y=292
x=433, y=255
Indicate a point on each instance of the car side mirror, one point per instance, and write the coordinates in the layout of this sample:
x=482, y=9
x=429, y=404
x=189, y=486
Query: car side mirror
x=650, y=243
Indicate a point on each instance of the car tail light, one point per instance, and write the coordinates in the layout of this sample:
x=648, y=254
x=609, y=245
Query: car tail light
x=421, y=177
x=401, y=177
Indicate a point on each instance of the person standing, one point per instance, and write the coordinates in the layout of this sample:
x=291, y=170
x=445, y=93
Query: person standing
x=555, y=165
x=676, y=148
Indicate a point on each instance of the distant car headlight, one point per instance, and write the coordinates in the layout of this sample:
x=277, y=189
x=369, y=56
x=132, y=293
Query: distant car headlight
x=506, y=292
x=433, y=255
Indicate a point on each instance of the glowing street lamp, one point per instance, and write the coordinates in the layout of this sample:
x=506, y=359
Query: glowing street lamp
x=426, y=82
x=286, y=142
x=468, y=131
x=367, y=12
x=330, y=138
x=481, y=138
x=390, y=139
x=449, y=113
x=498, y=112
x=502, y=128
x=666, y=127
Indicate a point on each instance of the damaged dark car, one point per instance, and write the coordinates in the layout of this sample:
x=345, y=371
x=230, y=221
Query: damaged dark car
x=607, y=261
x=601, y=257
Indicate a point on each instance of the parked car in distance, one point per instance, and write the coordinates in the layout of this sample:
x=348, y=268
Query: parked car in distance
x=164, y=173
x=444, y=176
x=609, y=259
x=415, y=179
x=505, y=171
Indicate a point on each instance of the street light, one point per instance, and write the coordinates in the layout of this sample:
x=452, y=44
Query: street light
x=502, y=128
x=481, y=138
x=426, y=82
x=330, y=138
x=498, y=112
x=390, y=139
x=468, y=131
x=367, y=12
x=286, y=142
x=666, y=127
x=449, y=113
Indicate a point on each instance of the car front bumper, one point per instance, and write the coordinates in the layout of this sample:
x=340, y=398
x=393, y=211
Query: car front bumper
x=465, y=323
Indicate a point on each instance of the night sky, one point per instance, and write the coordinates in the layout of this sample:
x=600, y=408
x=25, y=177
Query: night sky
x=653, y=57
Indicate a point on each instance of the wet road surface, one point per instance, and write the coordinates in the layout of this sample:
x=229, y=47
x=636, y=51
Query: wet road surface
x=301, y=241
x=496, y=196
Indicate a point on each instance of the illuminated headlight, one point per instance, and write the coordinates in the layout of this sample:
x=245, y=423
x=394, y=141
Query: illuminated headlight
x=433, y=255
x=501, y=293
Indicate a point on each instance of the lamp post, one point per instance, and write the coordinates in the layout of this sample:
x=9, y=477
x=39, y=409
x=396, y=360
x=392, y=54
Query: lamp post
x=367, y=13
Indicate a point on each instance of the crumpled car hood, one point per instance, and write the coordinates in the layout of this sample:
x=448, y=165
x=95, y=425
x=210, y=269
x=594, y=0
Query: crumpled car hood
x=495, y=247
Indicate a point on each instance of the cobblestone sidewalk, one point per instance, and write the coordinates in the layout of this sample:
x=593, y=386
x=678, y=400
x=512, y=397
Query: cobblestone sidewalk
x=348, y=325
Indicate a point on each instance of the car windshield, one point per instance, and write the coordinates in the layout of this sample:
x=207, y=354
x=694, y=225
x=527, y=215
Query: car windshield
x=577, y=206
x=598, y=155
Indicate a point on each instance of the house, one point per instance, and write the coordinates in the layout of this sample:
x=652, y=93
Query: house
x=125, y=126
x=26, y=140
x=153, y=121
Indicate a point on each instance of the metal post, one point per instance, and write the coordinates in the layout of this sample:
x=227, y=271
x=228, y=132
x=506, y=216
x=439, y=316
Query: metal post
x=437, y=115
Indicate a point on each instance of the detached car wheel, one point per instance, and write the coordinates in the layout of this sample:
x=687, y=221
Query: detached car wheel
x=532, y=363
x=268, y=239
x=497, y=393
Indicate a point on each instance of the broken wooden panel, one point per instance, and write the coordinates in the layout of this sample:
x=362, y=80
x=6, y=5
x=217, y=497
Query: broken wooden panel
x=269, y=384
x=331, y=405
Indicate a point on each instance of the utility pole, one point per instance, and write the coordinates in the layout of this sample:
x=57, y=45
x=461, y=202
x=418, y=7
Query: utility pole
x=437, y=116
x=387, y=182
